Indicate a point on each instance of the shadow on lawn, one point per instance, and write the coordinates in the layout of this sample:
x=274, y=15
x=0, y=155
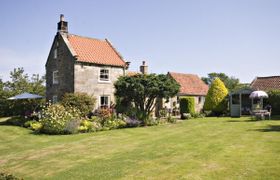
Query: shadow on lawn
x=249, y=120
x=13, y=121
x=270, y=128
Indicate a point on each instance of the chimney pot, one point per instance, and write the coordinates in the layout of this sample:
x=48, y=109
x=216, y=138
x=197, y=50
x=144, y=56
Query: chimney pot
x=61, y=17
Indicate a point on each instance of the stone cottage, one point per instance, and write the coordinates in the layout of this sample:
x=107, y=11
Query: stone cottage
x=191, y=85
x=81, y=64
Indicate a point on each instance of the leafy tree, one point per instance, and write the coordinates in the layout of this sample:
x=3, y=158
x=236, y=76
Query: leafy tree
x=19, y=83
x=231, y=83
x=142, y=90
x=216, y=99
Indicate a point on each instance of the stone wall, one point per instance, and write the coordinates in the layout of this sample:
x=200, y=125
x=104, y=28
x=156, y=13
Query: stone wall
x=64, y=64
x=87, y=80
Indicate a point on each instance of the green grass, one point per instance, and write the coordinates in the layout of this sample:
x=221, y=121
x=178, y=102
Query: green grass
x=209, y=148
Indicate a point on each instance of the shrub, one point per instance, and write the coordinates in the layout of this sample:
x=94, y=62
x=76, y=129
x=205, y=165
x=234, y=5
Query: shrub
x=81, y=101
x=103, y=114
x=7, y=176
x=186, y=116
x=114, y=123
x=86, y=126
x=274, y=101
x=170, y=119
x=36, y=126
x=72, y=126
x=55, y=118
x=132, y=122
x=27, y=124
x=187, y=105
x=216, y=99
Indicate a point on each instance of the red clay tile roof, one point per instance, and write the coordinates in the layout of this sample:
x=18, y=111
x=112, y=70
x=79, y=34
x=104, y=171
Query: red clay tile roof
x=95, y=51
x=266, y=83
x=190, y=84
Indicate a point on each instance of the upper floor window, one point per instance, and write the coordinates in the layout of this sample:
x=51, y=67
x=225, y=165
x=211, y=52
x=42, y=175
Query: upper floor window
x=55, y=77
x=55, y=53
x=104, y=75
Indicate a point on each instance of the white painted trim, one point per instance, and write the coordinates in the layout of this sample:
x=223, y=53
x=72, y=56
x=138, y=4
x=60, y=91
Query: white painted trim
x=53, y=80
x=109, y=74
x=104, y=95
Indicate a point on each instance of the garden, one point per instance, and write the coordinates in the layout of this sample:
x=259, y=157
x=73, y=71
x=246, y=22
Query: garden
x=202, y=148
x=67, y=140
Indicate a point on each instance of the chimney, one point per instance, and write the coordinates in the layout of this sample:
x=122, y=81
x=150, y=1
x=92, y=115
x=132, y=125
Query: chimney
x=62, y=26
x=144, y=68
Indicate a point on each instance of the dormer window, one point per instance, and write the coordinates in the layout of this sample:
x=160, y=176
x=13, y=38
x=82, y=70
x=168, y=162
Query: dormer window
x=104, y=75
x=55, y=77
x=55, y=53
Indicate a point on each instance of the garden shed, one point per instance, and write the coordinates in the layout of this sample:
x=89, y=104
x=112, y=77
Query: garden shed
x=240, y=103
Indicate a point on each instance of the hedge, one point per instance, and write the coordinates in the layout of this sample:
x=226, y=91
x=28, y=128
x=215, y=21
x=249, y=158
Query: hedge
x=274, y=101
x=187, y=105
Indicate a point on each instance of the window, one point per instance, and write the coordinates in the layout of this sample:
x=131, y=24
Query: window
x=235, y=99
x=55, y=77
x=104, y=75
x=104, y=101
x=55, y=53
x=54, y=99
x=199, y=99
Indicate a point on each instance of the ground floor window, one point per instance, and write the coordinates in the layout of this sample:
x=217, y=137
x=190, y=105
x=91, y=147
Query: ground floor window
x=54, y=99
x=104, y=101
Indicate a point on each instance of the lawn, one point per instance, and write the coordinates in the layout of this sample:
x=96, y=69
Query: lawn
x=209, y=148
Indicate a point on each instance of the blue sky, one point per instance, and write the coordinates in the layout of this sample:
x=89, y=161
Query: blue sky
x=238, y=37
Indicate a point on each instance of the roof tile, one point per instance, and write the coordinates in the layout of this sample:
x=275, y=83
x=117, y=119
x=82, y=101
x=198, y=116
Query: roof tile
x=190, y=84
x=266, y=83
x=95, y=51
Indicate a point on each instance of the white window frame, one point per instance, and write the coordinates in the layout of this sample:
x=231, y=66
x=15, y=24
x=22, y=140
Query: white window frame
x=55, y=77
x=54, y=99
x=103, y=105
x=104, y=80
x=55, y=53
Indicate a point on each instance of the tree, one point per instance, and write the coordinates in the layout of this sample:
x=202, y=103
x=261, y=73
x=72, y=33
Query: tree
x=142, y=90
x=216, y=100
x=231, y=83
x=19, y=83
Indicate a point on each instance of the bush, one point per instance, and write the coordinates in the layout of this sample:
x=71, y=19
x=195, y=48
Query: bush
x=7, y=176
x=36, y=126
x=86, y=126
x=171, y=120
x=27, y=124
x=187, y=105
x=56, y=117
x=81, y=101
x=216, y=99
x=186, y=116
x=274, y=101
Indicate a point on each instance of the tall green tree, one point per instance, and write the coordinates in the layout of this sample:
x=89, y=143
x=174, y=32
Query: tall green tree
x=143, y=90
x=231, y=83
x=216, y=99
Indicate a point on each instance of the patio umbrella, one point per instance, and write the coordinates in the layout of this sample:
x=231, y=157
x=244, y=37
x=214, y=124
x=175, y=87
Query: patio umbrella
x=25, y=96
x=258, y=94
